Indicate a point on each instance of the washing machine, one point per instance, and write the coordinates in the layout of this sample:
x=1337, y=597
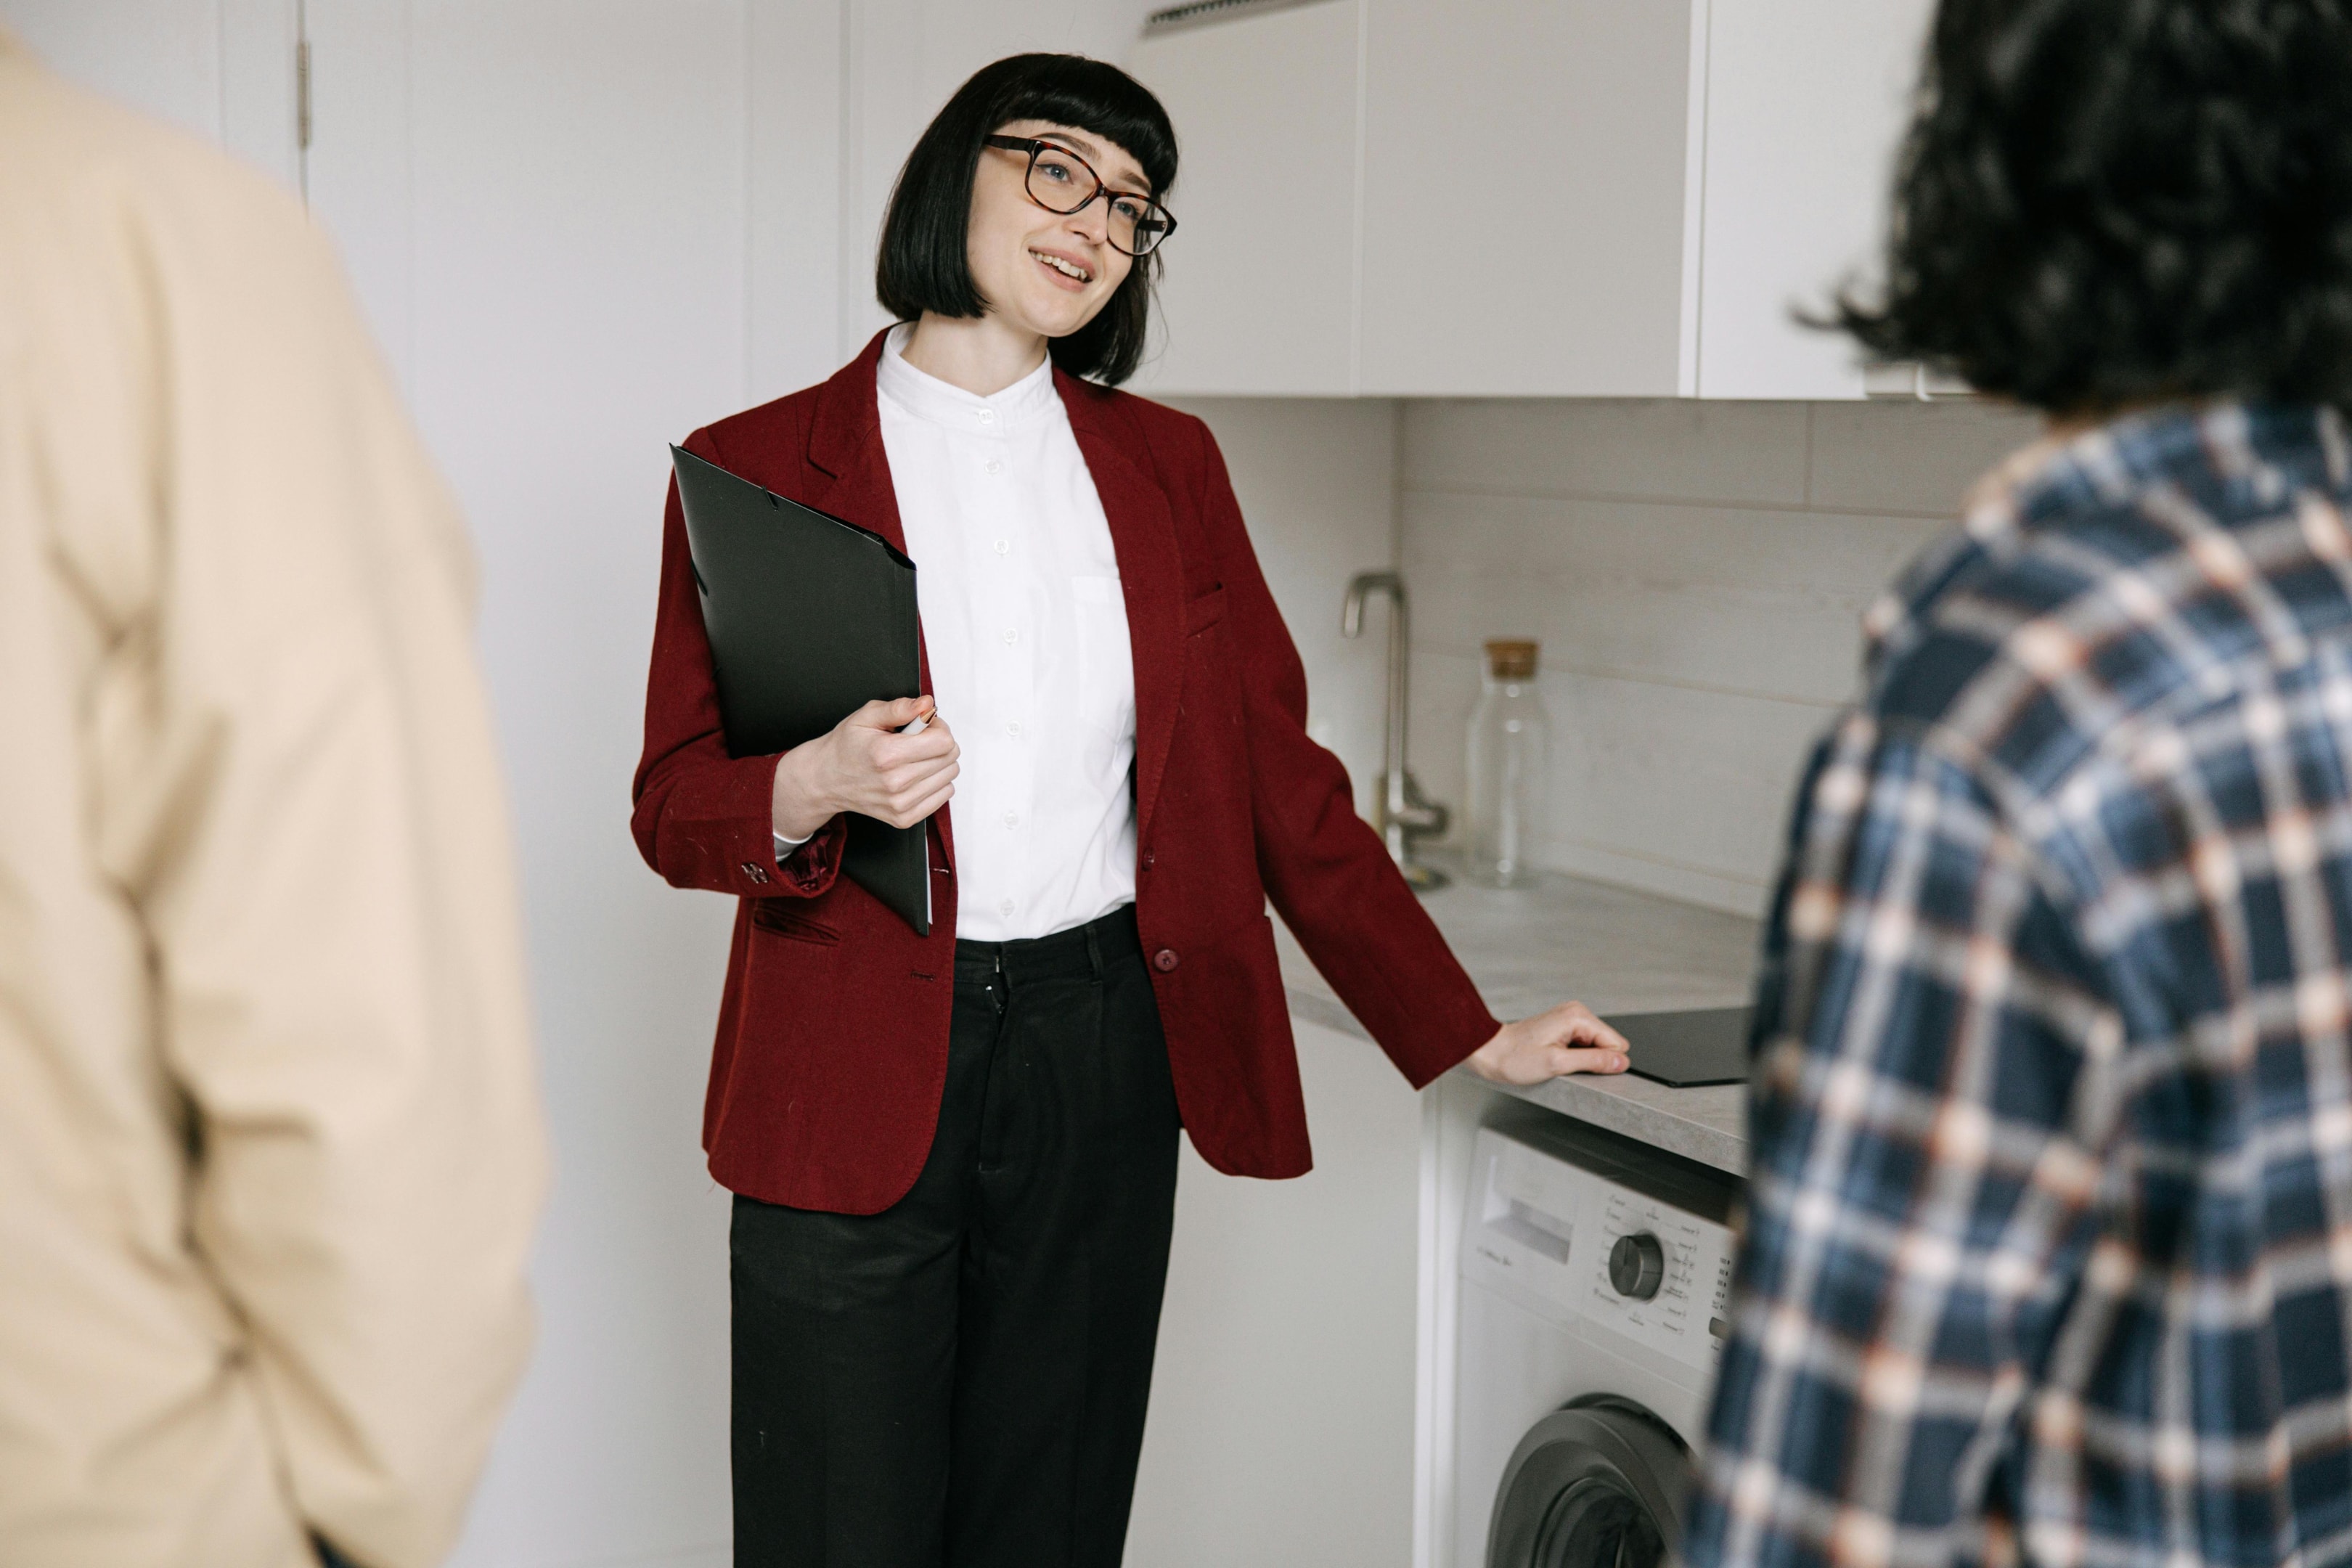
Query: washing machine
x=1595, y=1274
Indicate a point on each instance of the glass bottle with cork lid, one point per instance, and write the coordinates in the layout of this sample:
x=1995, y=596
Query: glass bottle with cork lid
x=1509, y=768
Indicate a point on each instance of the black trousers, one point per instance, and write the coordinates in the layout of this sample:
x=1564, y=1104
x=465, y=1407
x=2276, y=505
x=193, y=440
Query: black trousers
x=958, y=1382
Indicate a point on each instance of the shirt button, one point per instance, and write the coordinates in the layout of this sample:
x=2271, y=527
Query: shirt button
x=1010, y=637
x=995, y=465
x=988, y=416
x=1164, y=960
x=1005, y=908
x=1012, y=820
x=1005, y=547
x=1013, y=731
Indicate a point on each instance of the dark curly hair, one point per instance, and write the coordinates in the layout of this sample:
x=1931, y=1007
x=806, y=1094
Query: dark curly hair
x=2109, y=202
x=925, y=260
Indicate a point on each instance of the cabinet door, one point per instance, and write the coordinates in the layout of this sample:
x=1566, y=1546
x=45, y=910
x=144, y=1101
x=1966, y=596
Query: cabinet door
x=1525, y=172
x=1281, y=1431
x=1806, y=110
x=1258, y=295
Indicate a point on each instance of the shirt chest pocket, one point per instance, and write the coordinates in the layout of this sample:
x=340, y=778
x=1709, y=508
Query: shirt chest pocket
x=1106, y=661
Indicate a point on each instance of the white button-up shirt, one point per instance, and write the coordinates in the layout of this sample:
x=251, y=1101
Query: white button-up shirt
x=1025, y=625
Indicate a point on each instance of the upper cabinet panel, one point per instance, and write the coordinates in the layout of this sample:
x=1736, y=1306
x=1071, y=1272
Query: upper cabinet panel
x=1258, y=295
x=1500, y=198
x=1806, y=110
x=1523, y=206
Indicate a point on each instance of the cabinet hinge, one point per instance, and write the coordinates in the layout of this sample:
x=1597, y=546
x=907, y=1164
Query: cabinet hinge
x=302, y=94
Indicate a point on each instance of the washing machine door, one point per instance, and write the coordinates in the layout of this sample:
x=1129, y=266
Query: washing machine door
x=1597, y=1484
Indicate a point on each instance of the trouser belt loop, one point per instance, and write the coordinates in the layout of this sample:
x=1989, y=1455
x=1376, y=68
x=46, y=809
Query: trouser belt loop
x=1093, y=948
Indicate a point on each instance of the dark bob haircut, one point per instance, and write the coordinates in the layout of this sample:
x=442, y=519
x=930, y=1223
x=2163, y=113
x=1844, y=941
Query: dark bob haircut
x=925, y=262
x=2110, y=202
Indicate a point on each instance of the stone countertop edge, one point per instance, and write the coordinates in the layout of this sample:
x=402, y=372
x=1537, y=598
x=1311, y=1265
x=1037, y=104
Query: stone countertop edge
x=1615, y=950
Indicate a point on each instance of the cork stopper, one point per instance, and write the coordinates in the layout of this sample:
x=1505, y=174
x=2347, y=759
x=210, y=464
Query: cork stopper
x=1510, y=658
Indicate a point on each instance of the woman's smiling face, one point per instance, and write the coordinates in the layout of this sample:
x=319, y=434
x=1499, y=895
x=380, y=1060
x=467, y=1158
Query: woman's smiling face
x=1046, y=272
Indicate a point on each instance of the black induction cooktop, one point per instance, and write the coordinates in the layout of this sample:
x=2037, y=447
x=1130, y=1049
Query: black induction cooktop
x=1688, y=1050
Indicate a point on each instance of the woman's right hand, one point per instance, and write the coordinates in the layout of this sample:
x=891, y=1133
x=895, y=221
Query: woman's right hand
x=863, y=764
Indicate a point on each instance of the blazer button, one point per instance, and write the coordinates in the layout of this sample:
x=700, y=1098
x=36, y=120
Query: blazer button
x=752, y=868
x=1164, y=960
x=1148, y=858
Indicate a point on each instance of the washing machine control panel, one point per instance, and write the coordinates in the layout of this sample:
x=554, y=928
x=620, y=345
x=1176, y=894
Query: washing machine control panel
x=1677, y=1303
x=1575, y=1244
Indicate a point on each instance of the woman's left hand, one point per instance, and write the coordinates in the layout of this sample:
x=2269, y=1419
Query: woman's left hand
x=1566, y=1039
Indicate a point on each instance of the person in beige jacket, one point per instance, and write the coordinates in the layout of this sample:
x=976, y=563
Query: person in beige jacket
x=269, y=1145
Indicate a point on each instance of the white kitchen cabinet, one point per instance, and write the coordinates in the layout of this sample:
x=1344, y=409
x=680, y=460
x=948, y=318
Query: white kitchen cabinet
x=1259, y=295
x=1571, y=198
x=1525, y=177
x=1806, y=106
x=1281, y=1425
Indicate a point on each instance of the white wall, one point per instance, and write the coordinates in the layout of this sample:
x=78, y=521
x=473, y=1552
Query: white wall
x=1696, y=573
x=220, y=68
x=578, y=294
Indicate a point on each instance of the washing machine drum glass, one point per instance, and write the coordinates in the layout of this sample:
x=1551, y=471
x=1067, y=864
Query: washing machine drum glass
x=1599, y=1484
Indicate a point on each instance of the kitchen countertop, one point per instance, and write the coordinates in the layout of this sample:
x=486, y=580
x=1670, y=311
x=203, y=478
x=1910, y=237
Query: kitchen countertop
x=1614, y=950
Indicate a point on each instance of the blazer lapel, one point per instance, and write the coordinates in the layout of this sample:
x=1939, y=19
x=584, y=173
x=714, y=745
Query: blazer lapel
x=1152, y=576
x=845, y=447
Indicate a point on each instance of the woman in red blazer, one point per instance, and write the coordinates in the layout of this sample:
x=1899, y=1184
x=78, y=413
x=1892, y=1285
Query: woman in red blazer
x=955, y=1156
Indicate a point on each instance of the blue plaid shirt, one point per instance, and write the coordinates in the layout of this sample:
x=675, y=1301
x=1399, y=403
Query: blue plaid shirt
x=2048, y=1255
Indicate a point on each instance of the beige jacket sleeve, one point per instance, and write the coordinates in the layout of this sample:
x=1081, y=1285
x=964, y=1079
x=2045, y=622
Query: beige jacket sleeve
x=263, y=1044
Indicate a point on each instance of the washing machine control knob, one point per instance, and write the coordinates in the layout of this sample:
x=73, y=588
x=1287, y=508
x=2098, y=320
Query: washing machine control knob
x=1637, y=1266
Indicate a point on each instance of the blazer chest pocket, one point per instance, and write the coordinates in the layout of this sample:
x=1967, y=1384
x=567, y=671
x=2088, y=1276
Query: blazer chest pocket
x=1204, y=610
x=778, y=916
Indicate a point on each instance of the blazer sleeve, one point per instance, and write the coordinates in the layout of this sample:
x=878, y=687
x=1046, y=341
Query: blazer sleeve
x=1328, y=872
x=704, y=817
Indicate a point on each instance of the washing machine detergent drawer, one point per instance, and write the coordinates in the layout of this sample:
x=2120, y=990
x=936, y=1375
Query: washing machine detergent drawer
x=1591, y=1323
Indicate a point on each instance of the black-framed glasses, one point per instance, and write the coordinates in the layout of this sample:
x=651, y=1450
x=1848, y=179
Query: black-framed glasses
x=1060, y=181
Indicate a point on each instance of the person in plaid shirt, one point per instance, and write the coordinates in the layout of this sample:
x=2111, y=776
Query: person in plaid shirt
x=2048, y=1248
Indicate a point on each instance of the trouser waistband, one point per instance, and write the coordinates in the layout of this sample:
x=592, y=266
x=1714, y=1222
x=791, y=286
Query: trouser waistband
x=1080, y=952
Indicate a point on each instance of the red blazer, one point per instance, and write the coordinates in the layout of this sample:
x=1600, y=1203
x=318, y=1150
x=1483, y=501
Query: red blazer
x=832, y=1034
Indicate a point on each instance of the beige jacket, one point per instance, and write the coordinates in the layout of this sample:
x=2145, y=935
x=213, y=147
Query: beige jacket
x=270, y=1147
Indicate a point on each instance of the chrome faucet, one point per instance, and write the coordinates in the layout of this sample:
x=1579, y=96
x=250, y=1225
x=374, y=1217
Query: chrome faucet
x=1400, y=813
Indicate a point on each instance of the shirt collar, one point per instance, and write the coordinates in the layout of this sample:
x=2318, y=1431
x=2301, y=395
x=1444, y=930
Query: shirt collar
x=1026, y=402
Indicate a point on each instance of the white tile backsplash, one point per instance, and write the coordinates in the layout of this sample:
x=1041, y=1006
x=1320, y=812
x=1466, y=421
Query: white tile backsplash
x=1906, y=456
x=1696, y=572
x=1764, y=603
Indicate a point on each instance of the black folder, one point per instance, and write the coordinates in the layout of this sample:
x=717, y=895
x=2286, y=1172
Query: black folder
x=810, y=618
